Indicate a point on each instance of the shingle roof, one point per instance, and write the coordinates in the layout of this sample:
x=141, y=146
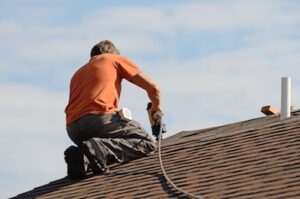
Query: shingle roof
x=257, y=158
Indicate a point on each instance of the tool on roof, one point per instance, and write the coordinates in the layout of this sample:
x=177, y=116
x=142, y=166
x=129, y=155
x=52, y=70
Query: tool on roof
x=270, y=110
x=158, y=128
x=156, y=122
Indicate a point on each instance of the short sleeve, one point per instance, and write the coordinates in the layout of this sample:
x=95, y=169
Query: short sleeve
x=127, y=68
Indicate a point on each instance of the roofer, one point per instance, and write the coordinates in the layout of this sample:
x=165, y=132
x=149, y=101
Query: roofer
x=93, y=121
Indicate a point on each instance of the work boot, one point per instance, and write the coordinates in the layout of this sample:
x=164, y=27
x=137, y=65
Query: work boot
x=76, y=162
x=94, y=156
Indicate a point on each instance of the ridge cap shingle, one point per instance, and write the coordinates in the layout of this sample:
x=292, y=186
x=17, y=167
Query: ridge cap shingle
x=198, y=134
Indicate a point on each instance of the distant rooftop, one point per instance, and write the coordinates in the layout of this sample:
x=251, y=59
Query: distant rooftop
x=258, y=158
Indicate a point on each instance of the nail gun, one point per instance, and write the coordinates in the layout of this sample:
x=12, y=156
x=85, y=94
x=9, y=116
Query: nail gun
x=156, y=122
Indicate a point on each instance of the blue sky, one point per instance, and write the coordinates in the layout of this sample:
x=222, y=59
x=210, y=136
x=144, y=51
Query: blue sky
x=217, y=62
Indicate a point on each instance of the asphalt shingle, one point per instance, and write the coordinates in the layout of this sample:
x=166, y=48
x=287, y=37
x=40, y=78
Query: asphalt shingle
x=258, y=158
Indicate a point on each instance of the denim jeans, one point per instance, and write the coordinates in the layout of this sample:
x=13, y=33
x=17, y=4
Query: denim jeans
x=119, y=140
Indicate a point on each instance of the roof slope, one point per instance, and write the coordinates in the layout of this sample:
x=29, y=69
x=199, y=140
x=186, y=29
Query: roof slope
x=257, y=158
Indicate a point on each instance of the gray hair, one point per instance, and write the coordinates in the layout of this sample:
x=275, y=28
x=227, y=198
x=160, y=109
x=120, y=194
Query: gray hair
x=104, y=46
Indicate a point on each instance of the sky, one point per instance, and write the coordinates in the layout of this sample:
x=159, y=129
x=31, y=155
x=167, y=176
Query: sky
x=216, y=62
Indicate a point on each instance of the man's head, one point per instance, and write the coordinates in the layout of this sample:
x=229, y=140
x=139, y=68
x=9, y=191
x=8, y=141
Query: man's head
x=104, y=46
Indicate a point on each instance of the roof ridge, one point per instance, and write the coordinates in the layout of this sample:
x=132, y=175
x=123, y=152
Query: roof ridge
x=207, y=137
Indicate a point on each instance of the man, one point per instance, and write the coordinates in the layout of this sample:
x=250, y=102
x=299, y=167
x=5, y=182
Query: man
x=93, y=121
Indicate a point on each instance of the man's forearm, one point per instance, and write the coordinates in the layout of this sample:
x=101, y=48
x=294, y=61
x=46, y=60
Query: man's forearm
x=154, y=96
x=150, y=87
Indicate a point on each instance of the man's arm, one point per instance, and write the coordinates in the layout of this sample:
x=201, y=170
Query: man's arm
x=152, y=89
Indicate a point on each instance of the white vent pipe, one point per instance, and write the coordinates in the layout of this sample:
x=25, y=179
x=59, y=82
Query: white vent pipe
x=285, y=98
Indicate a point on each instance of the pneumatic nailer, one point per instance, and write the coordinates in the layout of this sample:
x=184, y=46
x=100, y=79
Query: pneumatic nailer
x=156, y=122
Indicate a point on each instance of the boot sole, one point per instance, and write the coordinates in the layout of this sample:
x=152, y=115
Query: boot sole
x=75, y=163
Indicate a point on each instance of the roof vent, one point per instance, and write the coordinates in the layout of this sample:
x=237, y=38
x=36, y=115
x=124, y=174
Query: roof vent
x=286, y=107
x=285, y=98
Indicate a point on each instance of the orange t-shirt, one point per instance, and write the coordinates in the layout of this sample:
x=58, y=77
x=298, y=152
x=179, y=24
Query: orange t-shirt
x=96, y=87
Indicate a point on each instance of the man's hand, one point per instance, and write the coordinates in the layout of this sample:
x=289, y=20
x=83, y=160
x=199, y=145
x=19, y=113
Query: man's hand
x=156, y=113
